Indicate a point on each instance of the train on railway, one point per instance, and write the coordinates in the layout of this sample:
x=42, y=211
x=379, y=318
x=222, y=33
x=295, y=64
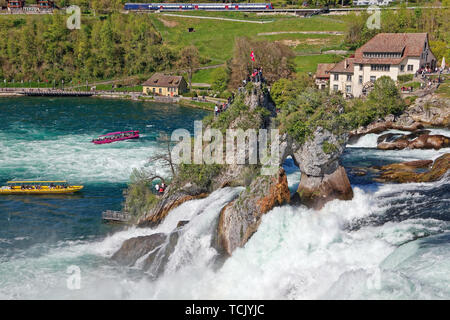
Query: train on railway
x=197, y=6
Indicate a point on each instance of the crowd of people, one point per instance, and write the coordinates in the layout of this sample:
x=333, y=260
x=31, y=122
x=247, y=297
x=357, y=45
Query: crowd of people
x=114, y=137
x=160, y=188
x=255, y=76
x=221, y=107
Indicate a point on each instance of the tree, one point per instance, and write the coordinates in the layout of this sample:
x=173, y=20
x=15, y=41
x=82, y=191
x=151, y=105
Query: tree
x=440, y=49
x=284, y=90
x=220, y=79
x=189, y=60
x=273, y=57
x=164, y=156
x=385, y=97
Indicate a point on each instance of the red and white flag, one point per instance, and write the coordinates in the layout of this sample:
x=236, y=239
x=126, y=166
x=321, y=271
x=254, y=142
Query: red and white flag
x=252, y=56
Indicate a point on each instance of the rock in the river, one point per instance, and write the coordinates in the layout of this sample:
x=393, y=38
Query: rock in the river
x=416, y=141
x=241, y=218
x=320, y=154
x=408, y=171
x=156, y=249
x=135, y=248
x=322, y=179
x=315, y=191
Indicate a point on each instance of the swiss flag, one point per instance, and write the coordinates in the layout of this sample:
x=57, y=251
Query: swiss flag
x=252, y=56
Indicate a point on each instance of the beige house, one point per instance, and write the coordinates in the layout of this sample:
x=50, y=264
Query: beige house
x=386, y=54
x=164, y=85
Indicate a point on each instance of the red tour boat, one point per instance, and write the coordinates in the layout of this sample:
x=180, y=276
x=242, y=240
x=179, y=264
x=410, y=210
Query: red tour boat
x=117, y=136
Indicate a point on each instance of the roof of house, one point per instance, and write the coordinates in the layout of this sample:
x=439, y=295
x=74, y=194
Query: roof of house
x=323, y=70
x=344, y=66
x=408, y=44
x=163, y=80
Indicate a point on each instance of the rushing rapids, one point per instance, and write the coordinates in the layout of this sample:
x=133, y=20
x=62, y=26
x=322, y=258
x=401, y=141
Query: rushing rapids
x=390, y=241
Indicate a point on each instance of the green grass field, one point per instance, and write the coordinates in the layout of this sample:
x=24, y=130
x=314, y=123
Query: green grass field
x=215, y=38
x=309, y=63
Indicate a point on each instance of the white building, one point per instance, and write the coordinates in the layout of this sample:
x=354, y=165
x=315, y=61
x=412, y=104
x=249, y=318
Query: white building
x=386, y=54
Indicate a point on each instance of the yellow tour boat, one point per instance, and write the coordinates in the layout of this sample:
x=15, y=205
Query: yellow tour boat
x=38, y=187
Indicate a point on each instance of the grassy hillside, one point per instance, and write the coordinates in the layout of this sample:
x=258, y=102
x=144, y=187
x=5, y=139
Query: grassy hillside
x=215, y=38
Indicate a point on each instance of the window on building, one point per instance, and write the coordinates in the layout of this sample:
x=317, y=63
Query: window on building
x=154, y=90
x=382, y=54
x=402, y=67
x=335, y=87
x=380, y=67
x=160, y=90
x=336, y=77
x=349, y=77
x=373, y=78
x=360, y=67
x=410, y=67
x=348, y=89
x=360, y=79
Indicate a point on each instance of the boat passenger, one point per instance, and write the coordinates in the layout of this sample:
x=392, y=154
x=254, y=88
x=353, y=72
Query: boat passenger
x=161, y=190
x=157, y=187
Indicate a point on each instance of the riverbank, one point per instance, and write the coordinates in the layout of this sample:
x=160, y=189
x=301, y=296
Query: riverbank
x=138, y=96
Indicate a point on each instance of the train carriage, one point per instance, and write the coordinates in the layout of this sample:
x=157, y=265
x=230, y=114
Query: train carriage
x=197, y=6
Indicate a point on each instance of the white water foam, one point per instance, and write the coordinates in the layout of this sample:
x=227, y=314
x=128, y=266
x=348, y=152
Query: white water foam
x=297, y=253
x=75, y=158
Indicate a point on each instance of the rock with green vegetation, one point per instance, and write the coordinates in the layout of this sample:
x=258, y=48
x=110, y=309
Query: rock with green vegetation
x=172, y=198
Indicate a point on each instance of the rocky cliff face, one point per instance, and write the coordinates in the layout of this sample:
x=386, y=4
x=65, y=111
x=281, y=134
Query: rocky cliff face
x=322, y=180
x=241, y=218
x=430, y=110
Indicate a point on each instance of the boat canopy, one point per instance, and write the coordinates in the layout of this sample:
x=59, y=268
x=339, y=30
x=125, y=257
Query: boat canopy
x=60, y=181
x=118, y=132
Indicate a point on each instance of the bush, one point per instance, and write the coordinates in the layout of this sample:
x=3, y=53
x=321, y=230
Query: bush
x=405, y=78
x=225, y=95
x=140, y=198
x=190, y=94
x=200, y=174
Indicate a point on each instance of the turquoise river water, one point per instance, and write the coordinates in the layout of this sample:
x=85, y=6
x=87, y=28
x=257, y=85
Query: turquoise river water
x=389, y=242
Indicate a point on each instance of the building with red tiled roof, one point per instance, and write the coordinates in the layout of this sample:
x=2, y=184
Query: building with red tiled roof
x=386, y=54
x=165, y=85
x=322, y=76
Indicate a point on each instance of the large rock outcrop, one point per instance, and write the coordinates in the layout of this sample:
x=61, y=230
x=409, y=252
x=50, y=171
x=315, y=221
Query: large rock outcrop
x=322, y=178
x=241, y=218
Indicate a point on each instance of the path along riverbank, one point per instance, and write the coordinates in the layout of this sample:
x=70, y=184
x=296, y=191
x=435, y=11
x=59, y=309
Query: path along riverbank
x=206, y=104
